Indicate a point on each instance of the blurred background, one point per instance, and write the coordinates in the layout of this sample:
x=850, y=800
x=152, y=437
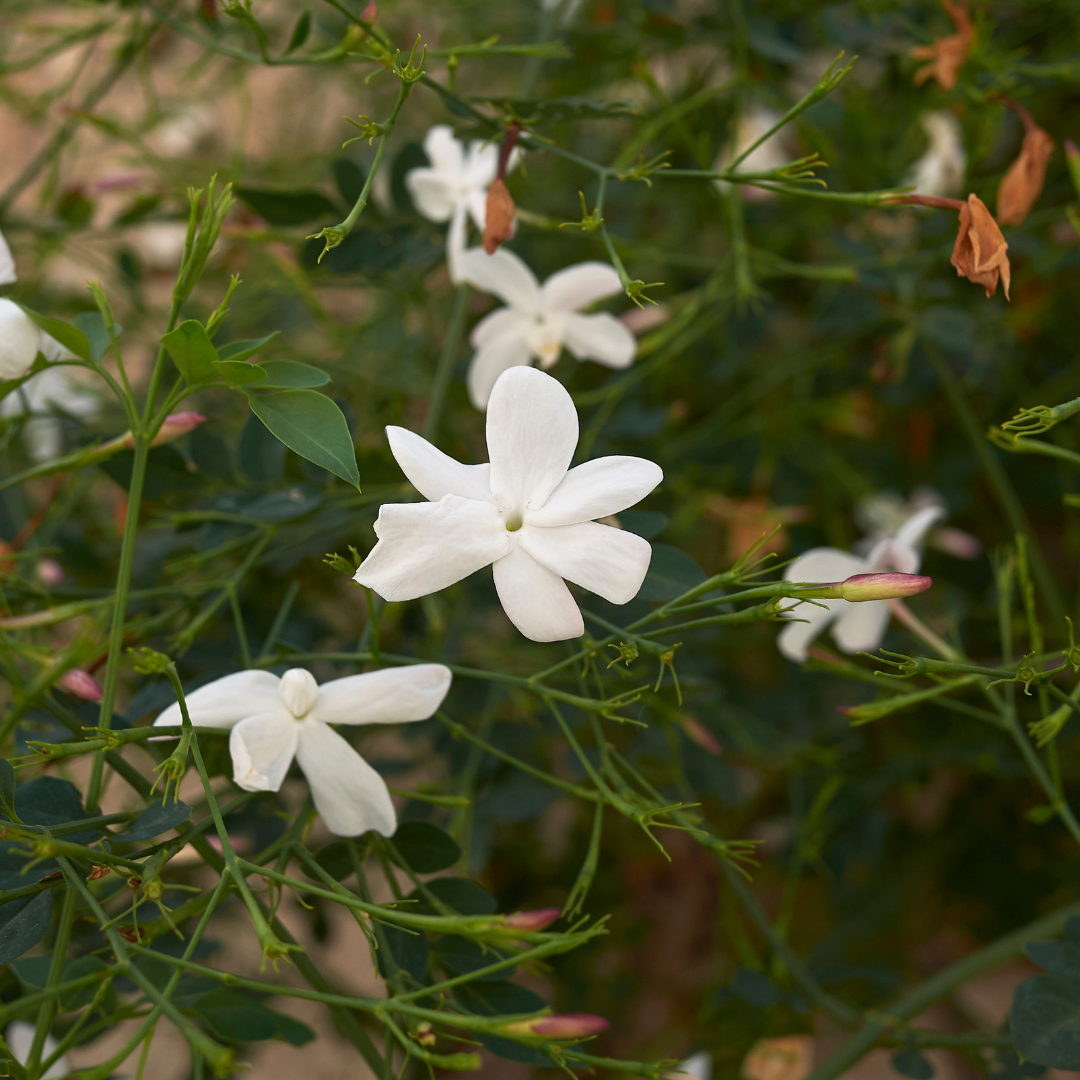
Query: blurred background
x=797, y=387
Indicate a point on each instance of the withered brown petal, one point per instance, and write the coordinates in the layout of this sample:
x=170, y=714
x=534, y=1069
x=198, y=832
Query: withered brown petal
x=947, y=54
x=979, y=253
x=498, y=217
x=1023, y=183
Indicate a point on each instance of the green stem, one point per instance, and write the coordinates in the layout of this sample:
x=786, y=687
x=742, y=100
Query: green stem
x=447, y=359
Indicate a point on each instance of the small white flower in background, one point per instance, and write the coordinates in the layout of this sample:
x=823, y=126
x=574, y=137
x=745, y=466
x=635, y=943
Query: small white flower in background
x=539, y=320
x=940, y=171
x=454, y=186
x=7, y=264
x=273, y=720
x=21, y=341
x=856, y=627
x=882, y=514
x=771, y=154
x=39, y=398
x=527, y=514
x=20, y=1039
x=696, y=1067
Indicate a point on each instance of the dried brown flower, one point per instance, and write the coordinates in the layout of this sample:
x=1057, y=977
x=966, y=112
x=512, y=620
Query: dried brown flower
x=498, y=217
x=979, y=253
x=1023, y=183
x=947, y=54
x=788, y=1058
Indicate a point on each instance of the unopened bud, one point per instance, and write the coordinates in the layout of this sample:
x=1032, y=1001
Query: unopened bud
x=498, y=217
x=81, y=684
x=559, y=1026
x=862, y=587
x=527, y=921
x=370, y=14
x=49, y=572
x=700, y=734
x=176, y=425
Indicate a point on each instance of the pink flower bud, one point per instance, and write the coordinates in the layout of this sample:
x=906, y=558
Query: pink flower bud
x=370, y=14
x=883, y=586
x=700, y=734
x=50, y=572
x=81, y=684
x=559, y=1026
x=1072, y=150
x=176, y=425
x=532, y=920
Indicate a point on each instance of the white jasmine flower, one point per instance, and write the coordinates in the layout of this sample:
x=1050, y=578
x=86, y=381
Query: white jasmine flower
x=20, y=1038
x=40, y=397
x=527, y=514
x=856, y=627
x=21, y=341
x=273, y=720
x=540, y=319
x=7, y=264
x=881, y=515
x=454, y=186
x=771, y=154
x=940, y=171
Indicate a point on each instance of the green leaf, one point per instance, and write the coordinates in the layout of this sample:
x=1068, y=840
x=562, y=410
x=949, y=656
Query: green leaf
x=424, y=847
x=50, y=801
x=463, y=956
x=69, y=336
x=33, y=973
x=288, y=207
x=239, y=373
x=461, y=894
x=23, y=924
x=1045, y=1021
x=671, y=573
x=335, y=859
x=410, y=950
x=498, y=998
x=235, y=1017
x=509, y=1050
x=912, y=1064
x=241, y=350
x=192, y=351
x=300, y=31
x=93, y=326
x=156, y=819
x=290, y=375
x=312, y=426
x=1059, y=957
x=7, y=789
x=350, y=180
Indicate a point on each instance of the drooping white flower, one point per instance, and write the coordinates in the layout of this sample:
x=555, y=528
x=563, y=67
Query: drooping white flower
x=855, y=627
x=273, y=720
x=40, y=397
x=7, y=264
x=771, y=154
x=21, y=341
x=454, y=186
x=940, y=171
x=539, y=320
x=527, y=514
x=20, y=1039
x=883, y=513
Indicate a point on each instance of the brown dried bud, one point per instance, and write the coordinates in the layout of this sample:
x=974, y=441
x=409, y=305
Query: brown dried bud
x=979, y=253
x=498, y=217
x=1023, y=183
x=128, y=933
x=99, y=872
x=947, y=54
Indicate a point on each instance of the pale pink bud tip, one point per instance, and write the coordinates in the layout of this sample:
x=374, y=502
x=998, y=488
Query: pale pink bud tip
x=883, y=586
x=1072, y=149
x=532, y=920
x=370, y=13
x=50, y=571
x=560, y=1026
x=81, y=684
x=176, y=425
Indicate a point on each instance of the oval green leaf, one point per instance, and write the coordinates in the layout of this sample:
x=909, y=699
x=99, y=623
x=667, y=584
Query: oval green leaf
x=25, y=926
x=69, y=336
x=424, y=847
x=241, y=350
x=290, y=375
x=192, y=351
x=312, y=426
x=239, y=373
x=156, y=819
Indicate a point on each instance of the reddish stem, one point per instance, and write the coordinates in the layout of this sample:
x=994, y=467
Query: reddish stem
x=935, y=201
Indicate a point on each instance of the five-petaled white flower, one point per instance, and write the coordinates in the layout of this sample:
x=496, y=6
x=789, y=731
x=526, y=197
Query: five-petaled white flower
x=539, y=320
x=454, y=187
x=273, y=720
x=40, y=398
x=856, y=627
x=527, y=514
x=20, y=1039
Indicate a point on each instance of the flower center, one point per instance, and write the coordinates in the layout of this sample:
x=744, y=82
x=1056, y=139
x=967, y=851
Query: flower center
x=299, y=691
x=514, y=520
